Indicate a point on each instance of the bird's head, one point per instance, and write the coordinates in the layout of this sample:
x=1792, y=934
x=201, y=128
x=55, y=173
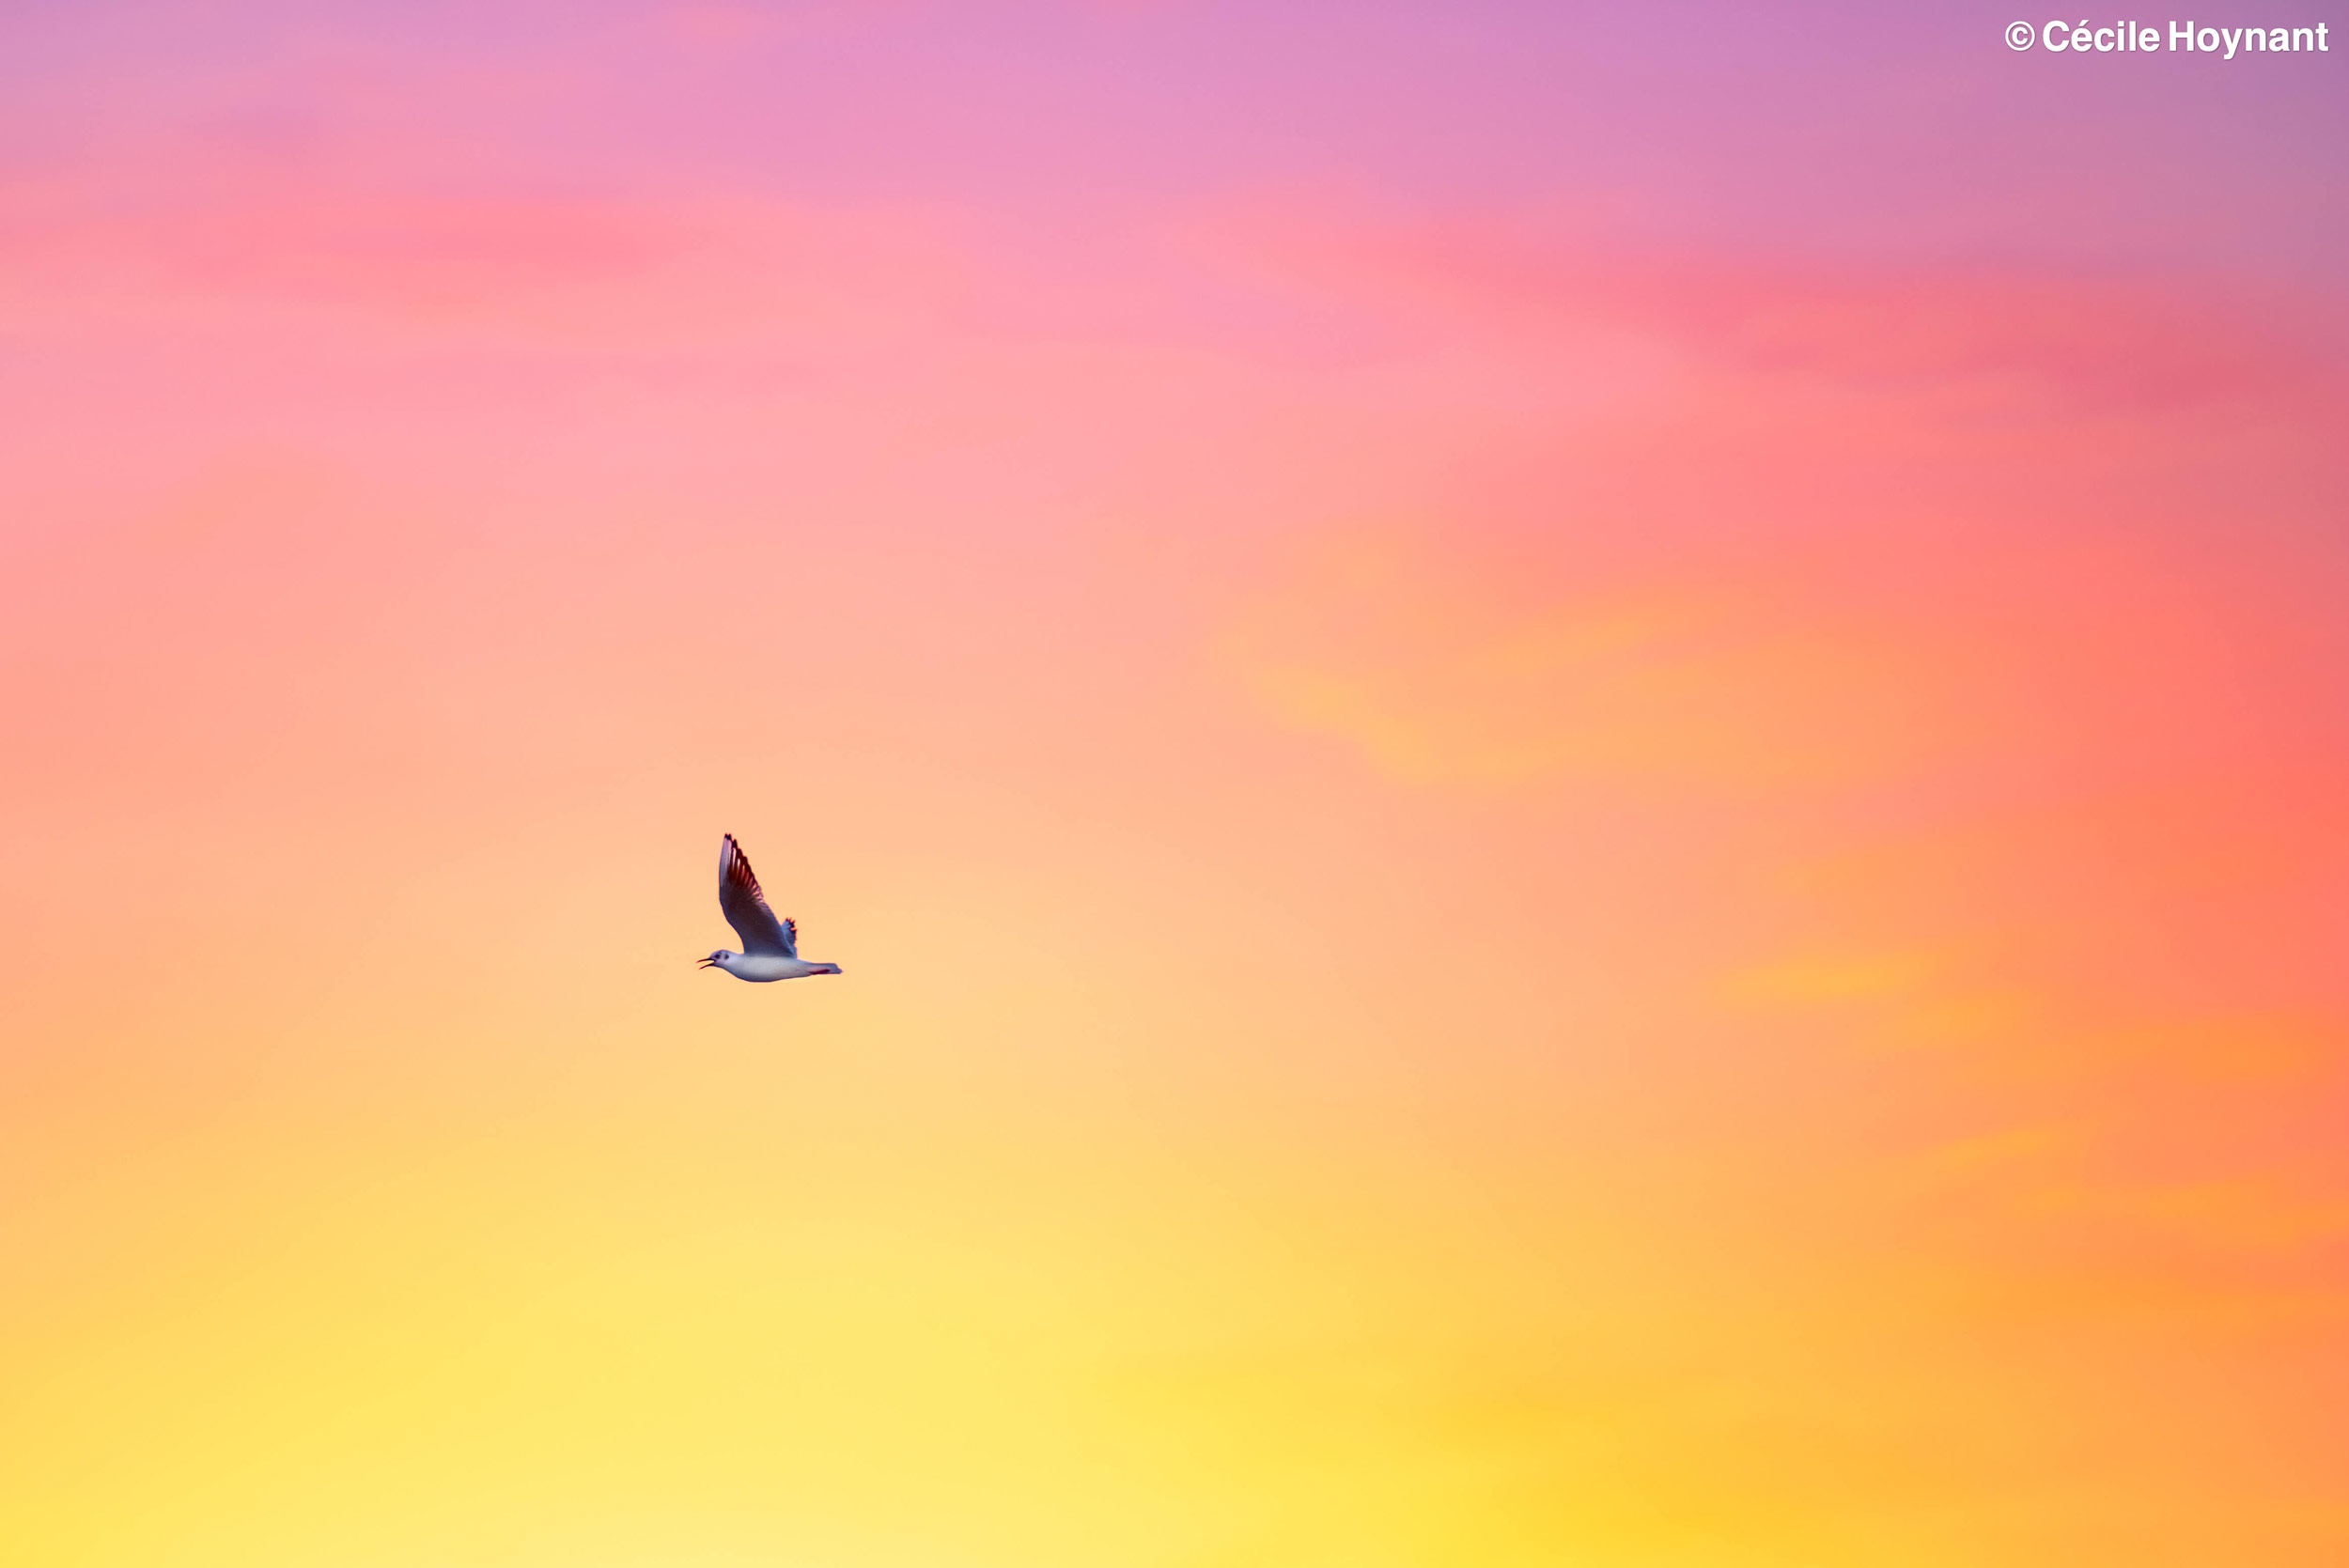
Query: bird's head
x=715, y=959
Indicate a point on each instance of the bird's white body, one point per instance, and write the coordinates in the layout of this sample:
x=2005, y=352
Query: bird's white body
x=766, y=966
x=771, y=946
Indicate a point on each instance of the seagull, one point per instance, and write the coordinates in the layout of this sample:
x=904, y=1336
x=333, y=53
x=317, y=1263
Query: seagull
x=771, y=946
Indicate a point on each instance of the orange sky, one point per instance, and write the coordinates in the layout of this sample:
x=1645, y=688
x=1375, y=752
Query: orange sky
x=1528, y=876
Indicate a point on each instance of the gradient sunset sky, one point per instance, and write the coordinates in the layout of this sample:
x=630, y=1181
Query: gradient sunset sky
x=1582, y=770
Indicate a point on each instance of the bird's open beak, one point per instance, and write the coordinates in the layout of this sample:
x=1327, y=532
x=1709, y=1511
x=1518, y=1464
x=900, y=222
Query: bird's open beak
x=705, y=963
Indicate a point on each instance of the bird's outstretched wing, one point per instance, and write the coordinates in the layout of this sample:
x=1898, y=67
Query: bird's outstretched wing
x=746, y=909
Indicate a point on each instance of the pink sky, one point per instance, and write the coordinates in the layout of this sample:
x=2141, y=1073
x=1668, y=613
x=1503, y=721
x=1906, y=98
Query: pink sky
x=1577, y=769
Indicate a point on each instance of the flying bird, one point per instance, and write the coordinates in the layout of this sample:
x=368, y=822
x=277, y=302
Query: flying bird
x=770, y=948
